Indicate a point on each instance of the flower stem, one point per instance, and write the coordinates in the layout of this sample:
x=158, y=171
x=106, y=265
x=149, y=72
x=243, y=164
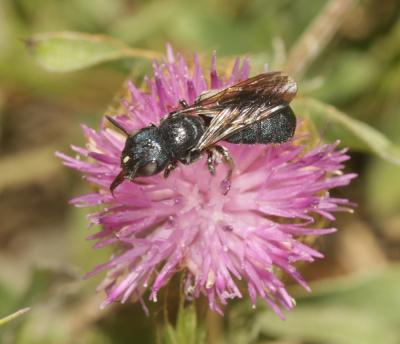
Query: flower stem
x=317, y=36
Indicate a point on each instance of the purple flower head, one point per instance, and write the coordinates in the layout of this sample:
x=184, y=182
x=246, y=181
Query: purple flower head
x=224, y=244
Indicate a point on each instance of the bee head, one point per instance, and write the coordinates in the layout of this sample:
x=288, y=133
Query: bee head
x=144, y=154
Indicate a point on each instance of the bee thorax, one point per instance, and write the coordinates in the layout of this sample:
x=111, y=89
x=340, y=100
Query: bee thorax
x=181, y=133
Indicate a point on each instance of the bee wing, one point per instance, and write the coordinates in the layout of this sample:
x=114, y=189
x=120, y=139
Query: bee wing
x=270, y=85
x=242, y=104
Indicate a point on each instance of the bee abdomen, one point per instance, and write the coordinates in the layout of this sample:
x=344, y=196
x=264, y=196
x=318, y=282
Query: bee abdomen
x=277, y=128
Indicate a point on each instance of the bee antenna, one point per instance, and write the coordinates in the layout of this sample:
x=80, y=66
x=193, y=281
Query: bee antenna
x=117, y=125
x=122, y=176
x=117, y=180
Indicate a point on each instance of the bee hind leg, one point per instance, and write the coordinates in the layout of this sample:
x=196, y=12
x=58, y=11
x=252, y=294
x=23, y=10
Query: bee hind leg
x=230, y=164
x=211, y=161
x=227, y=160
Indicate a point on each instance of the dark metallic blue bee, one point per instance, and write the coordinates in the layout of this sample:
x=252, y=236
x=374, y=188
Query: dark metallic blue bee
x=253, y=111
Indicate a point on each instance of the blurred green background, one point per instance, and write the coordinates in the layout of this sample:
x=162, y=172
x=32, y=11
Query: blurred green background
x=43, y=254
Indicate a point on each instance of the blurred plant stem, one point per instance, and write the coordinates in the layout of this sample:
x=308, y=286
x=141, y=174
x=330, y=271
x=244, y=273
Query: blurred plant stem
x=13, y=316
x=214, y=328
x=317, y=36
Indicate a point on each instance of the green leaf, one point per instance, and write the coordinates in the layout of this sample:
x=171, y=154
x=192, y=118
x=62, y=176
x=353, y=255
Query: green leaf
x=334, y=124
x=70, y=51
x=169, y=335
x=13, y=316
x=187, y=329
x=187, y=326
x=362, y=310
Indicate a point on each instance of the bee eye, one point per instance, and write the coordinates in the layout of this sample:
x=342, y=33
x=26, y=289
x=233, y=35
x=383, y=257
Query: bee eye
x=149, y=169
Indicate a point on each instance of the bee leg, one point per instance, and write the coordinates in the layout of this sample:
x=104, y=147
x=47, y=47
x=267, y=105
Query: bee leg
x=211, y=161
x=183, y=103
x=117, y=181
x=230, y=164
x=170, y=167
x=212, y=153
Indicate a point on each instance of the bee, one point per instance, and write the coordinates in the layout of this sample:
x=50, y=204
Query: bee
x=253, y=111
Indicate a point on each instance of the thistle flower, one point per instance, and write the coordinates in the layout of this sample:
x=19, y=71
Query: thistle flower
x=184, y=223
